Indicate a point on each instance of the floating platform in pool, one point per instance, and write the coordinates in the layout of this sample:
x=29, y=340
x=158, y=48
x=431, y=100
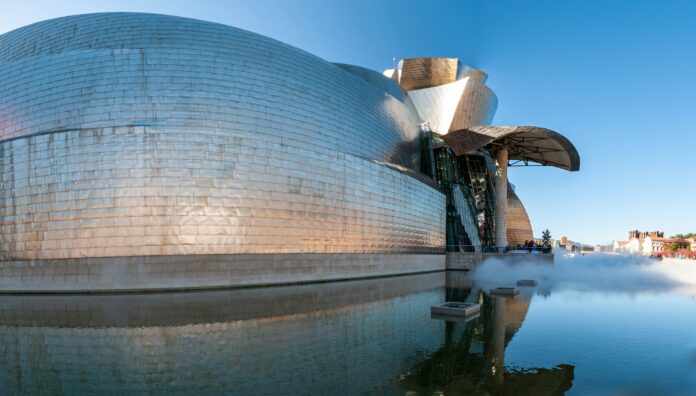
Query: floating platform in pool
x=458, y=309
x=526, y=283
x=504, y=291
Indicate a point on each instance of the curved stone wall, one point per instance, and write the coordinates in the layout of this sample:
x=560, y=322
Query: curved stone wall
x=136, y=134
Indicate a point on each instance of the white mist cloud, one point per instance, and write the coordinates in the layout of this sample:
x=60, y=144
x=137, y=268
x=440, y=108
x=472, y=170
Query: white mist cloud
x=597, y=272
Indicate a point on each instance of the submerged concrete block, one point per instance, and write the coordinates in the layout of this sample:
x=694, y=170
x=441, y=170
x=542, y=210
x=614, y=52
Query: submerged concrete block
x=504, y=291
x=526, y=283
x=455, y=309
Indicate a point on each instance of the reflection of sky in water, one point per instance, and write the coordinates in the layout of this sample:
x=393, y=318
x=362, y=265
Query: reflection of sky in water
x=614, y=326
x=627, y=324
x=643, y=344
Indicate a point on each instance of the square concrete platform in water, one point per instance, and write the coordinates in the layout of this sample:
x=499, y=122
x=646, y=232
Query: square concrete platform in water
x=526, y=283
x=455, y=309
x=504, y=291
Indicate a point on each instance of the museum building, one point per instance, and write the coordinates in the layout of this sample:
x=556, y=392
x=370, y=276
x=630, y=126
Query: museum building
x=143, y=151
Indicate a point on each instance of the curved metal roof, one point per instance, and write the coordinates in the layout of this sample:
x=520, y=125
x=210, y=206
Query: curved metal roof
x=525, y=144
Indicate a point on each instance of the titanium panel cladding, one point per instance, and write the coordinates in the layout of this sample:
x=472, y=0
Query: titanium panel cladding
x=136, y=134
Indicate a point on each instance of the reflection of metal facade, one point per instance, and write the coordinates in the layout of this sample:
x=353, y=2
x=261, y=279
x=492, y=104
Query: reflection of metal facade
x=261, y=341
x=139, y=135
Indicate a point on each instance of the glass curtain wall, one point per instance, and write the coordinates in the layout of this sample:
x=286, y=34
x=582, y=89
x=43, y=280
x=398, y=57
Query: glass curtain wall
x=468, y=186
x=476, y=175
x=462, y=226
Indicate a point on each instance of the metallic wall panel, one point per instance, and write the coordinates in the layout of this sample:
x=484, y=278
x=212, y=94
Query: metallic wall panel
x=138, y=191
x=417, y=73
x=519, y=228
x=124, y=69
x=477, y=104
x=383, y=82
x=135, y=134
x=437, y=105
x=457, y=105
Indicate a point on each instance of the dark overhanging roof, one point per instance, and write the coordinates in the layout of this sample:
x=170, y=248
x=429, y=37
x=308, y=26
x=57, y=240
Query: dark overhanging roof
x=525, y=144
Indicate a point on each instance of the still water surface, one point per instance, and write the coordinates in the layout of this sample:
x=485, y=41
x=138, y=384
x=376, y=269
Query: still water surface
x=363, y=337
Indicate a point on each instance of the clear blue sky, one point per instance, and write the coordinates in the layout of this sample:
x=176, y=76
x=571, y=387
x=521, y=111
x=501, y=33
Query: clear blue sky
x=616, y=77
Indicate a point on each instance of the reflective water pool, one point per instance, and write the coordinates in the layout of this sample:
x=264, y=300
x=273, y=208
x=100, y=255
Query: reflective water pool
x=574, y=333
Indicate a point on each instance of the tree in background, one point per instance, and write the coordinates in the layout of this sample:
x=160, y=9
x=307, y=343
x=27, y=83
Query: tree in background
x=546, y=239
x=685, y=236
x=671, y=247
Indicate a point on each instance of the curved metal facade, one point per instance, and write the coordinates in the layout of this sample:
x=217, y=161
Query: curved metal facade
x=477, y=105
x=526, y=144
x=137, y=135
x=455, y=102
x=519, y=228
x=447, y=94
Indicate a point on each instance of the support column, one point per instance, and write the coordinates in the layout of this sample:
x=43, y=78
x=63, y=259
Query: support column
x=501, y=185
x=498, y=340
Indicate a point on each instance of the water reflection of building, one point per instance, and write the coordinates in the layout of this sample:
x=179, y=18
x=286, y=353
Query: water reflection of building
x=472, y=360
x=331, y=338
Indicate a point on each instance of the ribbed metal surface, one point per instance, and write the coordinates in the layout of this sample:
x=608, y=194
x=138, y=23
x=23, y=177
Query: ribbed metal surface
x=137, y=134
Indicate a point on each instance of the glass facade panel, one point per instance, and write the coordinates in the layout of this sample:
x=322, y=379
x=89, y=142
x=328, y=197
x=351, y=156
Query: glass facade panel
x=476, y=176
x=463, y=201
x=464, y=219
x=468, y=185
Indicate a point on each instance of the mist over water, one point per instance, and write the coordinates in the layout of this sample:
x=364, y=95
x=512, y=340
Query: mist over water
x=594, y=272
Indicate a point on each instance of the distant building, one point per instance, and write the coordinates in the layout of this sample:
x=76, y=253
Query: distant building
x=573, y=246
x=692, y=242
x=653, y=245
x=620, y=246
x=641, y=242
x=633, y=246
x=644, y=234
